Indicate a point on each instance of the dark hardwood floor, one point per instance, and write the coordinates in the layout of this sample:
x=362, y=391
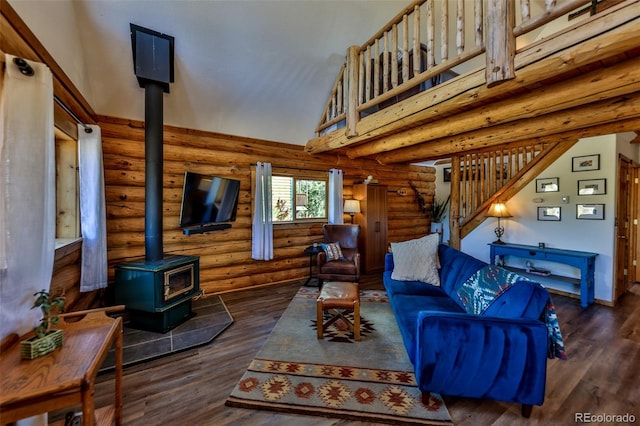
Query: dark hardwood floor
x=601, y=376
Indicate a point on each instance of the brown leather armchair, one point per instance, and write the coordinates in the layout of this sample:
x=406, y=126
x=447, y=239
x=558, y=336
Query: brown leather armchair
x=347, y=269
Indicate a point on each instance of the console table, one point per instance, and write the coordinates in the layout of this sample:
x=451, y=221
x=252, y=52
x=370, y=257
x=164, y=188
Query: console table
x=585, y=261
x=66, y=376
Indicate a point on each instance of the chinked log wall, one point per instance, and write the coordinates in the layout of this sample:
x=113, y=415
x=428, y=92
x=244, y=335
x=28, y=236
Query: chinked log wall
x=225, y=256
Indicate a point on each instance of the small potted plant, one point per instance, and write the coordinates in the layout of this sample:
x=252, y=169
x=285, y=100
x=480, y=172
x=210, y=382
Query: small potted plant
x=46, y=339
x=438, y=212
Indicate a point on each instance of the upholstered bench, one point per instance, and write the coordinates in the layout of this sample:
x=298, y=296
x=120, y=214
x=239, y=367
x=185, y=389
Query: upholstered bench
x=339, y=298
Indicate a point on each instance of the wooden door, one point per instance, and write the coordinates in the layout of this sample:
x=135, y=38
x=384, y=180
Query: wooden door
x=373, y=226
x=634, y=271
x=623, y=223
x=377, y=246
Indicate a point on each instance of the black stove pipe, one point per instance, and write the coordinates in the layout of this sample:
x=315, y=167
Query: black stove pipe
x=153, y=142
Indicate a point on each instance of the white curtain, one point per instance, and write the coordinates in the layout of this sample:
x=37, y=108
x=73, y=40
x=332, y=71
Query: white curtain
x=93, y=220
x=335, y=213
x=27, y=181
x=262, y=230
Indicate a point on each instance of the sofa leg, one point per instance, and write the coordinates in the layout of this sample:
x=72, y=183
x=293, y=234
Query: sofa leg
x=425, y=398
x=526, y=410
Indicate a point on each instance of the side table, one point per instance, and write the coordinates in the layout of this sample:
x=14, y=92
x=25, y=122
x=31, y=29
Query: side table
x=311, y=251
x=66, y=376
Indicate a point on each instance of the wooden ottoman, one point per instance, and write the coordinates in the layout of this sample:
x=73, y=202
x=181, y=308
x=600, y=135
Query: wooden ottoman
x=339, y=298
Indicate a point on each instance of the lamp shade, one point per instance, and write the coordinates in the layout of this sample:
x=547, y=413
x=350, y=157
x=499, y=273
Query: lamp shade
x=351, y=206
x=498, y=210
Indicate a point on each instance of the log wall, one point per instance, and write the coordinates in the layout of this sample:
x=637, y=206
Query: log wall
x=225, y=256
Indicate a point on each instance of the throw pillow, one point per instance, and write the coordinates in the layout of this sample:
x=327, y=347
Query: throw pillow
x=416, y=260
x=333, y=251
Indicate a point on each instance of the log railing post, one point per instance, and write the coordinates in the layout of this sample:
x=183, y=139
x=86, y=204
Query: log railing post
x=454, y=207
x=353, y=54
x=501, y=42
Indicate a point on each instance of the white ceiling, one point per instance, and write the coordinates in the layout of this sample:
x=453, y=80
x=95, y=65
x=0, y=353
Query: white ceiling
x=259, y=69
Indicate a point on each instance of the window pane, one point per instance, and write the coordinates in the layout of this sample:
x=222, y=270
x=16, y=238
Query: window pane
x=311, y=198
x=282, y=198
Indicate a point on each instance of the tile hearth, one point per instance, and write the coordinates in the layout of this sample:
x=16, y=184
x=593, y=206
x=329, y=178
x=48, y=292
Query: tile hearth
x=211, y=318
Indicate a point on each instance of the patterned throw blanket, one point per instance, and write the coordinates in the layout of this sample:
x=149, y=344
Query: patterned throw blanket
x=489, y=282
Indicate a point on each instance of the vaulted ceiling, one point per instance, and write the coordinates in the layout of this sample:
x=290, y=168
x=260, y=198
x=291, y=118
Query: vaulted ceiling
x=259, y=69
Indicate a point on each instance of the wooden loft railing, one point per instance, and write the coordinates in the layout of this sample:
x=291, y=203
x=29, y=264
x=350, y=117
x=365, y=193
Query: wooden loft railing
x=437, y=33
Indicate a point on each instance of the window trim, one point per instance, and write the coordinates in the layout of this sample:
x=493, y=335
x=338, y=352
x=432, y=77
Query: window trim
x=67, y=188
x=303, y=174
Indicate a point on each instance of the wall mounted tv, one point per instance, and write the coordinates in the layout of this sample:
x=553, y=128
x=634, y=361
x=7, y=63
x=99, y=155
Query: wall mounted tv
x=208, y=203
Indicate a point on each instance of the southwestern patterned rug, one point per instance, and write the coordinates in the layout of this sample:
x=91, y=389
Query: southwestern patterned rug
x=371, y=380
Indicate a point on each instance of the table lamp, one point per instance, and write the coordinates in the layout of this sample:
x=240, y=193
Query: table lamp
x=498, y=210
x=352, y=207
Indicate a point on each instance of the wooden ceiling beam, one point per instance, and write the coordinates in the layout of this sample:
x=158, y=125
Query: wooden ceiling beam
x=619, y=114
x=620, y=79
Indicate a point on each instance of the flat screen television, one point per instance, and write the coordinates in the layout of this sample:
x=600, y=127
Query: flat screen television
x=208, y=200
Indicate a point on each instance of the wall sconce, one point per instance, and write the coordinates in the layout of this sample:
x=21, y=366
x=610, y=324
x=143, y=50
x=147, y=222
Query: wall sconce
x=352, y=207
x=498, y=210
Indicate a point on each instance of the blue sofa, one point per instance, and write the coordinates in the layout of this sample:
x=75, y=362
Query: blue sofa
x=498, y=354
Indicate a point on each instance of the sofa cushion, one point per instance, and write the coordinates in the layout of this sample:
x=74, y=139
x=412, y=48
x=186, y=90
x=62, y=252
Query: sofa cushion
x=456, y=268
x=394, y=287
x=407, y=308
x=524, y=299
x=416, y=260
x=339, y=267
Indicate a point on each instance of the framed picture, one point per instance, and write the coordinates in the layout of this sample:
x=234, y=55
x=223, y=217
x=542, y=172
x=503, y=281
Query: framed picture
x=590, y=211
x=549, y=213
x=547, y=185
x=592, y=187
x=469, y=174
x=446, y=174
x=585, y=162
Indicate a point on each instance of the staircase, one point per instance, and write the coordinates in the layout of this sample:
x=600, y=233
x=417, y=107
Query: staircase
x=482, y=178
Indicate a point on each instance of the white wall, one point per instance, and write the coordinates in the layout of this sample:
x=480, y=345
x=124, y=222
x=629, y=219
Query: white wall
x=569, y=233
x=54, y=24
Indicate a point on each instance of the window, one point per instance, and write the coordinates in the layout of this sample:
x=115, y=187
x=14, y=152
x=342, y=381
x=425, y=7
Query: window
x=298, y=198
x=67, y=194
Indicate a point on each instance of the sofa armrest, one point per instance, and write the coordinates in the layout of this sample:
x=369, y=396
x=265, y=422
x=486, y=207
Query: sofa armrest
x=484, y=357
x=388, y=262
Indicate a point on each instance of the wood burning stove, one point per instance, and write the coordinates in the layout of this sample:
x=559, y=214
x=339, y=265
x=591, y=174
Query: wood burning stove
x=156, y=290
x=158, y=294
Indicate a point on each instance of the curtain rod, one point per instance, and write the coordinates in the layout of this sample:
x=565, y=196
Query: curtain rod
x=28, y=70
x=86, y=128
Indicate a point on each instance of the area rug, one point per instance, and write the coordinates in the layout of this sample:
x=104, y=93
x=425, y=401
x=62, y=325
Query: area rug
x=371, y=380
